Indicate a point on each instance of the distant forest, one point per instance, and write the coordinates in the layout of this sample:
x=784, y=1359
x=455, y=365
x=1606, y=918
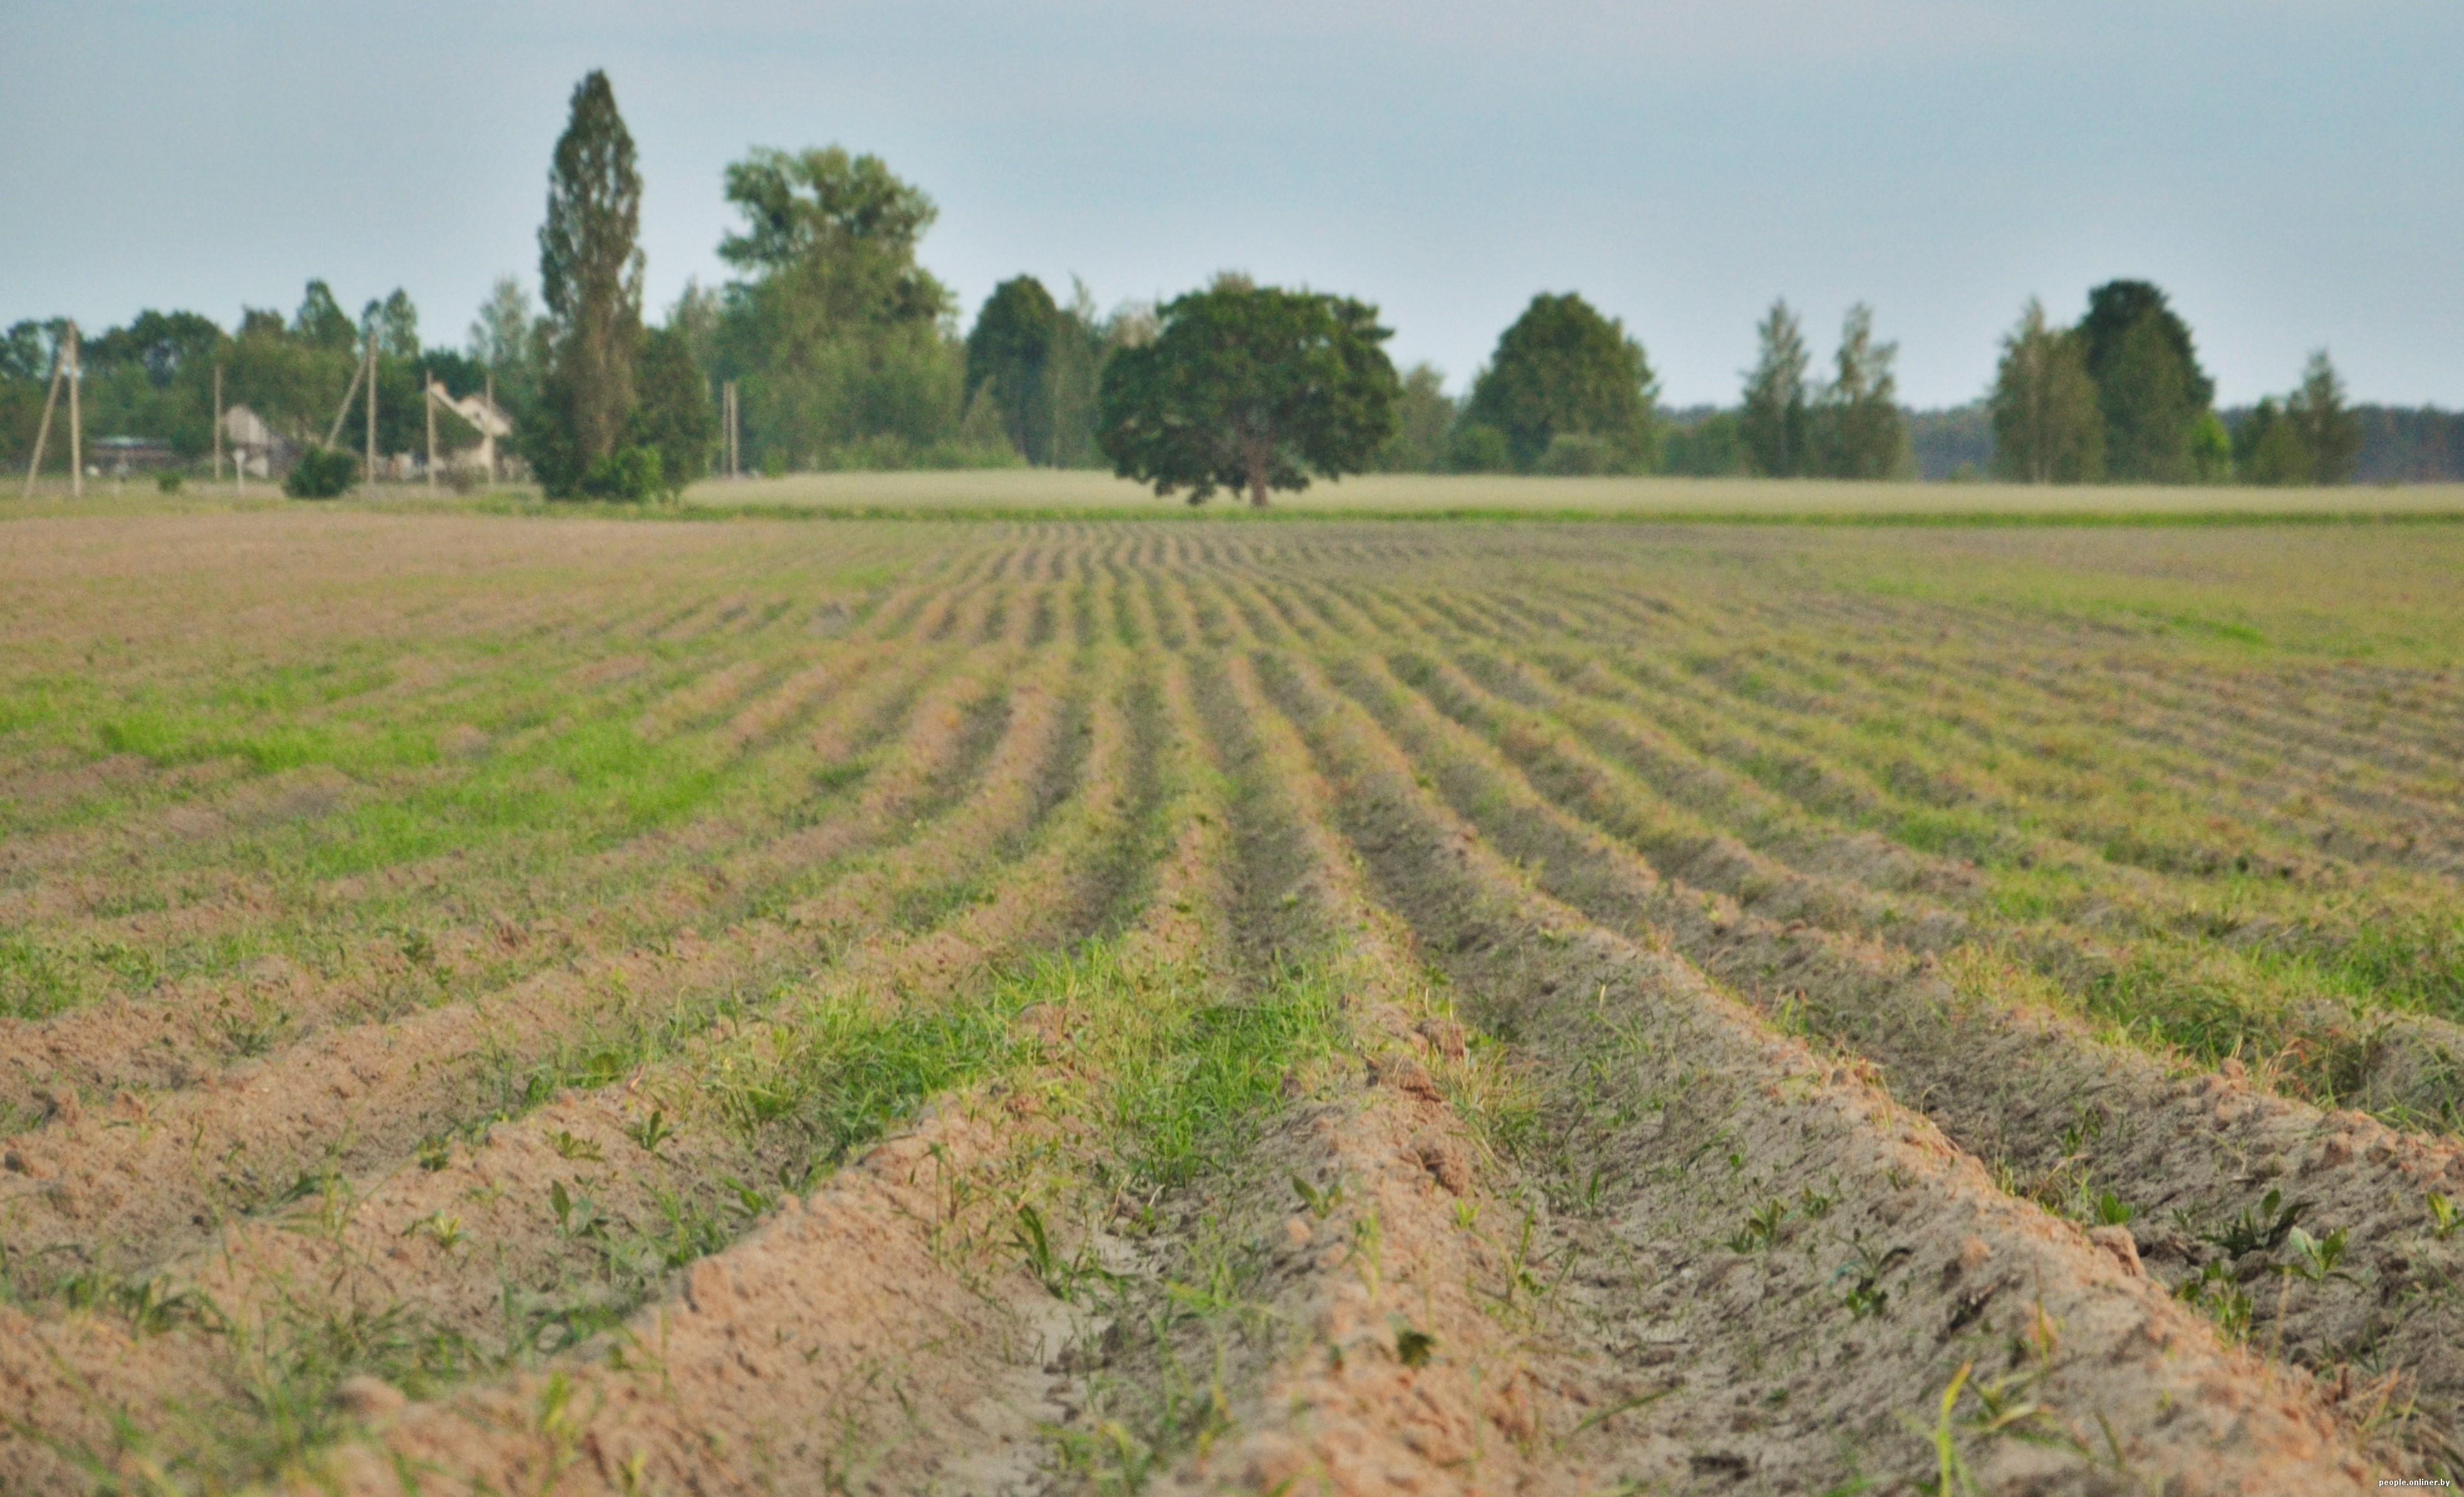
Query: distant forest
x=152, y=379
x=2399, y=444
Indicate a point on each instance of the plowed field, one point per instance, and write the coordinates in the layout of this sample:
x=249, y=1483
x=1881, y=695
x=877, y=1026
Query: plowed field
x=498, y=1004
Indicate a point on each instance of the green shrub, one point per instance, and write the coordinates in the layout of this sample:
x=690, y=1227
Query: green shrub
x=627, y=476
x=322, y=473
x=171, y=482
x=1711, y=448
x=1479, y=449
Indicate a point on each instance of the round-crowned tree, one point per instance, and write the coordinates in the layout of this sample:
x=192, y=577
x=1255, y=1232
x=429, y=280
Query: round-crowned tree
x=1565, y=371
x=2148, y=382
x=673, y=416
x=1007, y=350
x=1250, y=388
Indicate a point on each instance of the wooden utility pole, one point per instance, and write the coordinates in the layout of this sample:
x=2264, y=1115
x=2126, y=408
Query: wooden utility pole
x=735, y=453
x=76, y=425
x=491, y=435
x=372, y=408
x=51, y=398
x=428, y=402
x=334, y=432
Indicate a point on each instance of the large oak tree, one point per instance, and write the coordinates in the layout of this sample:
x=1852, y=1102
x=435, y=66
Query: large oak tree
x=1250, y=388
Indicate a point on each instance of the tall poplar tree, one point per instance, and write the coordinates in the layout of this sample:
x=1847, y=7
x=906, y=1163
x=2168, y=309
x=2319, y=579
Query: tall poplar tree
x=1773, y=421
x=590, y=277
x=2046, y=425
x=1859, y=430
x=2268, y=449
x=2329, y=431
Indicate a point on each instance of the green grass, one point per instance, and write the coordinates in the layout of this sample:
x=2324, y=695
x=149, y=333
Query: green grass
x=1026, y=493
x=1200, y=1078
x=1045, y=491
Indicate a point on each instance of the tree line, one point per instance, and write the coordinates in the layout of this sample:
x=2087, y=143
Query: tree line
x=155, y=377
x=846, y=352
x=2122, y=396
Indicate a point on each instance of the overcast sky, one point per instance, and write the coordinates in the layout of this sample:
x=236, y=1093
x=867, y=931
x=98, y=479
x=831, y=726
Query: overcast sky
x=2292, y=172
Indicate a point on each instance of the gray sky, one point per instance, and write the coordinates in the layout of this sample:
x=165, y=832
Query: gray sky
x=2291, y=171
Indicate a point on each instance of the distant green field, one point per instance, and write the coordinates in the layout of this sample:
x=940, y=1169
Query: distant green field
x=1044, y=490
x=1044, y=494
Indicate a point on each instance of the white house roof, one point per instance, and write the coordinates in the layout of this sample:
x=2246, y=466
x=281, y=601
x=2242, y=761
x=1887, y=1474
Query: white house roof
x=477, y=409
x=244, y=428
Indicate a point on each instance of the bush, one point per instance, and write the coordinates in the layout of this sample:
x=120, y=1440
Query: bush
x=171, y=482
x=1477, y=448
x=627, y=476
x=322, y=473
x=1711, y=448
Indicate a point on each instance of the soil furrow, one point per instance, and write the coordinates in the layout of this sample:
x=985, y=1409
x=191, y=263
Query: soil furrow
x=1774, y=1373
x=1388, y=1365
x=2071, y=1117
x=2201, y=754
x=646, y=890
x=2403, y=1066
x=2186, y=753
x=2405, y=948
x=148, y=1182
x=888, y=1289
x=509, y=1270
